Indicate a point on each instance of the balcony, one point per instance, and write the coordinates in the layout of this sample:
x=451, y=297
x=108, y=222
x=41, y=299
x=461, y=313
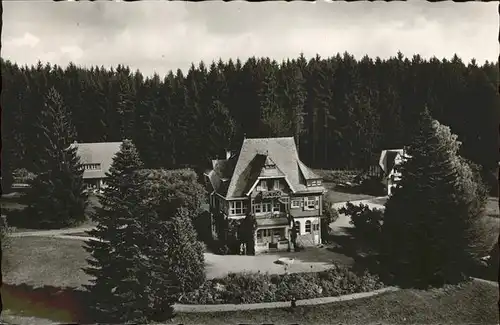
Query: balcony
x=270, y=215
x=272, y=194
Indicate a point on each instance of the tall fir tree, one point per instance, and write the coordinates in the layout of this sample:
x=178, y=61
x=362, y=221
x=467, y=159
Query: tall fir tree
x=56, y=197
x=433, y=227
x=119, y=276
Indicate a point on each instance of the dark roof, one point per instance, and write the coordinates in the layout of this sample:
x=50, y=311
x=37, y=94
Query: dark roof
x=97, y=153
x=307, y=172
x=255, y=152
x=221, y=174
x=250, y=175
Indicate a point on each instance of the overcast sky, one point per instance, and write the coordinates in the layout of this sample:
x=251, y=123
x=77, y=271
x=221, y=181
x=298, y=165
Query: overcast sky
x=159, y=36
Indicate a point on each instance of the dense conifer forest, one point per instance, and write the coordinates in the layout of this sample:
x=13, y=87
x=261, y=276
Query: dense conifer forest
x=342, y=110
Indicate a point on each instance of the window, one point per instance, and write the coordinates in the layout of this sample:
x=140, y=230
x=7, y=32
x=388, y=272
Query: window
x=92, y=166
x=297, y=227
x=276, y=206
x=266, y=207
x=257, y=208
x=316, y=226
x=237, y=207
x=276, y=184
x=316, y=182
x=262, y=186
x=295, y=204
x=308, y=227
x=311, y=203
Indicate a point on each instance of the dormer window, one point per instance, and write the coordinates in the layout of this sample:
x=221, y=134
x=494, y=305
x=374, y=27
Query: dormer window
x=92, y=166
x=314, y=182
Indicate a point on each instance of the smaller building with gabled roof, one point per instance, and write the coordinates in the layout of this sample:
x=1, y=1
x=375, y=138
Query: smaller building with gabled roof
x=96, y=159
x=267, y=179
x=389, y=162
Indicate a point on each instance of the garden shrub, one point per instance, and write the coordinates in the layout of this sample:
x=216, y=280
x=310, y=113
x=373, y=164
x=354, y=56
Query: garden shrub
x=367, y=222
x=372, y=185
x=244, y=288
x=258, y=287
x=299, y=286
x=330, y=214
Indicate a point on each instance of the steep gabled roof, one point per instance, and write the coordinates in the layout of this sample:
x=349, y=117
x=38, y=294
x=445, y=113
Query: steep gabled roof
x=97, y=153
x=388, y=159
x=307, y=172
x=252, y=157
x=221, y=174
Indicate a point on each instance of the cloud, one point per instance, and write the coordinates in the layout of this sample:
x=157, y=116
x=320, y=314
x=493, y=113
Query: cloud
x=27, y=40
x=160, y=36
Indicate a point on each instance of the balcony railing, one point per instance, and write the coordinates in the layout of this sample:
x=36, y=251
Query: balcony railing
x=271, y=194
x=263, y=215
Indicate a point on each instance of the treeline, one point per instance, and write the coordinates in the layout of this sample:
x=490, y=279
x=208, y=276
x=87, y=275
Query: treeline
x=345, y=110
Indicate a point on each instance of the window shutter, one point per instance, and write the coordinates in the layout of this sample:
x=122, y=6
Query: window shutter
x=317, y=204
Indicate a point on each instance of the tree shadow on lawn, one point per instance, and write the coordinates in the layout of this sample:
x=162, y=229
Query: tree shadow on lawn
x=63, y=305
x=363, y=253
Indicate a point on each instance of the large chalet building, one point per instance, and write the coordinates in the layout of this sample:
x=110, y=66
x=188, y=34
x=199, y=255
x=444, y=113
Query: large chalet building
x=96, y=159
x=267, y=178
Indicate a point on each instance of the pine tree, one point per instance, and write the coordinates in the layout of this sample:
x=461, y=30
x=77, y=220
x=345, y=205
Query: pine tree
x=56, y=197
x=433, y=228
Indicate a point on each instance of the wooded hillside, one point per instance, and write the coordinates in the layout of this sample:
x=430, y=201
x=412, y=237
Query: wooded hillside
x=345, y=109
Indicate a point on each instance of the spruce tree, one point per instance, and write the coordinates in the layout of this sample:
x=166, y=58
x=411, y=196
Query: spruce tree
x=433, y=227
x=56, y=197
x=116, y=289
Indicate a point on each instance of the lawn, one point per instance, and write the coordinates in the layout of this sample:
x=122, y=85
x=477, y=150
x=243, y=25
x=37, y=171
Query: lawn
x=40, y=266
x=45, y=261
x=473, y=302
x=41, y=261
x=336, y=196
x=11, y=202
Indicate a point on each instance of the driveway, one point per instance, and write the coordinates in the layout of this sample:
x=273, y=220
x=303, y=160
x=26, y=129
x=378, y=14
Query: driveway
x=338, y=227
x=50, y=233
x=312, y=259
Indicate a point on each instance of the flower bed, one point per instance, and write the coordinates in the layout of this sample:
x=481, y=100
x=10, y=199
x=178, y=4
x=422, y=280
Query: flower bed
x=246, y=288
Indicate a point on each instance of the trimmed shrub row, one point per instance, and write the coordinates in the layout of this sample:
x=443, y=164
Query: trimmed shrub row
x=246, y=288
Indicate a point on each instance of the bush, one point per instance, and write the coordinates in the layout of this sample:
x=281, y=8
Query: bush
x=244, y=288
x=372, y=185
x=258, y=287
x=367, y=222
x=338, y=176
x=330, y=214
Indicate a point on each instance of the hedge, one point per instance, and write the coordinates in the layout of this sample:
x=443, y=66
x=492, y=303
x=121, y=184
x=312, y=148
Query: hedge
x=245, y=288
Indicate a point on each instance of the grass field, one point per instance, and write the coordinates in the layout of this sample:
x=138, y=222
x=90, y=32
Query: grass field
x=474, y=302
x=41, y=261
x=39, y=267
x=336, y=196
